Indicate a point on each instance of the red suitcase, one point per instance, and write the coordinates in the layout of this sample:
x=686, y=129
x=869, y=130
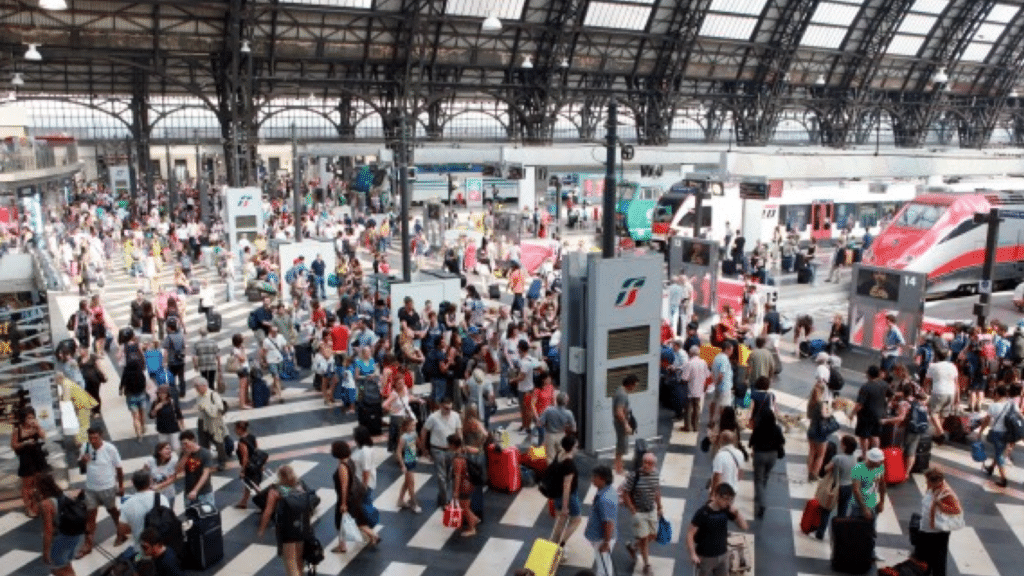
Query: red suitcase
x=503, y=470
x=895, y=472
x=811, y=519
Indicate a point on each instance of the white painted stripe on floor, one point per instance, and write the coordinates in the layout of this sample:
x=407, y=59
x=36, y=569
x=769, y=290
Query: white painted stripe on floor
x=659, y=565
x=796, y=475
x=1013, y=514
x=253, y=558
x=405, y=569
x=15, y=559
x=495, y=557
x=888, y=523
x=386, y=501
x=805, y=546
x=433, y=534
x=527, y=506
x=969, y=553
x=231, y=516
x=12, y=520
x=680, y=438
x=676, y=469
x=673, y=510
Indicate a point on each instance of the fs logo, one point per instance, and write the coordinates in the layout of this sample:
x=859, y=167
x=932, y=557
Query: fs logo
x=630, y=288
x=244, y=201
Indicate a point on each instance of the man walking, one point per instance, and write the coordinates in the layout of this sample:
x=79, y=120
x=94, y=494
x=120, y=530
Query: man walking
x=943, y=376
x=869, y=491
x=696, y=376
x=721, y=376
x=196, y=464
x=211, y=419
x=601, y=530
x=621, y=419
x=708, y=536
x=642, y=495
x=434, y=441
x=104, y=483
x=319, y=269
x=556, y=421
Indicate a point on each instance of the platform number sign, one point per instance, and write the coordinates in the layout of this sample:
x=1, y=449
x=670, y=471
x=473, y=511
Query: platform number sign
x=985, y=287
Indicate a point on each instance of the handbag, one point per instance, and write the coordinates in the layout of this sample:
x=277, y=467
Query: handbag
x=827, y=492
x=233, y=364
x=948, y=522
x=829, y=425
x=978, y=451
x=349, y=529
x=631, y=420
x=664, y=531
x=452, y=515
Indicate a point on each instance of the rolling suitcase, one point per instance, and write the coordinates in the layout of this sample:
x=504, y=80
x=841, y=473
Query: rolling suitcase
x=895, y=471
x=370, y=415
x=304, y=356
x=811, y=518
x=503, y=469
x=204, y=541
x=544, y=557
x=923, y=458
x=853, y=541
x=213, y=322
x=260, y=392
x=494, y=292
x=728, y=267
x=803, y=276
x=957, y=426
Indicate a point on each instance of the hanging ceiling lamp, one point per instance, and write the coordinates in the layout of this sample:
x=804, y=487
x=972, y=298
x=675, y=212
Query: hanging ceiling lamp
x=33, y=53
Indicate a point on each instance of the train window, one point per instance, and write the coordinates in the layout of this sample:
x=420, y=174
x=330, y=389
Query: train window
x=794, y=217
x=667, y=207
x=845, y=215
x=868, y=215
x=921, y=216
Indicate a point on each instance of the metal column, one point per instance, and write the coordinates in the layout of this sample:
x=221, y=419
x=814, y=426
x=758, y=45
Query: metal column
x=608, y=204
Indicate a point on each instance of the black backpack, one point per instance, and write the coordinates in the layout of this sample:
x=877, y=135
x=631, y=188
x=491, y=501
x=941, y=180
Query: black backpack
x=82, y=325
x=835, y=380
x=292, y=514
x=72, y=515
x=167, y=525
x=177, y=352
x=476, y=472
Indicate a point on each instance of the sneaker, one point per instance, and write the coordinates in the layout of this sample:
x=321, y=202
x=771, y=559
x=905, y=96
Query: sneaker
x=416, y=509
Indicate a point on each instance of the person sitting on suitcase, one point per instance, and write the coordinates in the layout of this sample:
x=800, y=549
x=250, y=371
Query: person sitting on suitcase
x=869, y=490
x=707, y=537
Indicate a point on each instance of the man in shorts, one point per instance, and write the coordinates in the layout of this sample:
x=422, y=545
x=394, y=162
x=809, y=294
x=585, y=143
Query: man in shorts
x=943, y=376
x=721, y=377
x=104, y=483
x=642, y=495
x=870, y=409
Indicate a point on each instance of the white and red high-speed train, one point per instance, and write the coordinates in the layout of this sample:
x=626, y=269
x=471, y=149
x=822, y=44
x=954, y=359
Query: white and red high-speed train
x=936, y=234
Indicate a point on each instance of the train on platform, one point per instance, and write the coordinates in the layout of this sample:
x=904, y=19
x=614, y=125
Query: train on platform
x=939, y=235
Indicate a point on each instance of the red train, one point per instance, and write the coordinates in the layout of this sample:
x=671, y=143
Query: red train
x=936, y=234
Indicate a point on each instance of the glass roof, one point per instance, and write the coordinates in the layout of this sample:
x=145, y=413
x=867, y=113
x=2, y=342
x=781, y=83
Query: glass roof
x=339, y=3
x=830, y=23
x=989, y=32
x=728, y=26
x=503, y=9
x=732, y=19
x=916, y=26
x=624, y=14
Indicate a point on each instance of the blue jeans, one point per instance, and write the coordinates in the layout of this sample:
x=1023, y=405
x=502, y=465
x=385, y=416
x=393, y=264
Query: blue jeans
x=438, y=387
x=998, y=441
x=842, y=503
x=320, y=287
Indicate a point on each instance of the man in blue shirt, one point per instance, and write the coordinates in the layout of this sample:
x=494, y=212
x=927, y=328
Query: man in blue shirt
x=894, y=343
x=601, y=530
x=721, y=376
x=319, y=269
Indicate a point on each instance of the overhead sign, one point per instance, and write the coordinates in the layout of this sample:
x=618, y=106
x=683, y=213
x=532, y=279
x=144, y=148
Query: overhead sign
x=474, y=192
x=1013, y=214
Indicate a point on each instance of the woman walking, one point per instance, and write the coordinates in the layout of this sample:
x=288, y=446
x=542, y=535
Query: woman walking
x=58, y=548
x=819, y=411
x=399, y=407
x=462, y=488
x=1000, y=407
x=239, y=361
x=405, y=453
x=290, y=533
x=133, y=381
x=167, y=413
x=364, y=460
x=565, y=475
x=162, y=465
x=248, y=470
x=27, y=440
x=351, y=493
x=768, y=445
x=941, y=513
x=843, y=464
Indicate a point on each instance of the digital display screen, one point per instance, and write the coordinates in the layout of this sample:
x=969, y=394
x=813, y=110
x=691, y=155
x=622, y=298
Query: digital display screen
x=878, y=284
x=245, y=221
x=696, y=253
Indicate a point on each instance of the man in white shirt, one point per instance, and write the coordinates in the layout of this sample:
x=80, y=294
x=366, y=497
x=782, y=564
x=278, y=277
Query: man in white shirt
x=434, y=441
x=943, y=375
x=726, y=466
x=136, y=506
x=696, y=376
x=527, y=365
x=273, y=349
x=675, y=299
x=104, y=482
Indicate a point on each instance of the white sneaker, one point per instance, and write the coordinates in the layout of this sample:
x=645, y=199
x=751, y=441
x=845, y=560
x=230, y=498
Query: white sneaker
x=416, y=509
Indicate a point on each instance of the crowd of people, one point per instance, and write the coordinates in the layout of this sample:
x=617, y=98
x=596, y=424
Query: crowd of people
x=439, y=378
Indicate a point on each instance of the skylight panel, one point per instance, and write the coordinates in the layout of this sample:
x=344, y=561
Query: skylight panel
x=1002, y=13
x=977, y=51
x=728, y=26
x=917, y=24
x=817, y=36
x=629, y=16
x=835, y=14
x=748, y=7
x=367, y=4
x=988, y=32
x=905, y=45
x=503, y=9
x=929, y=6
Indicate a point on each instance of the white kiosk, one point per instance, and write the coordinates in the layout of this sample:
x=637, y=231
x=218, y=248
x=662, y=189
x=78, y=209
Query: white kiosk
x=243, y=214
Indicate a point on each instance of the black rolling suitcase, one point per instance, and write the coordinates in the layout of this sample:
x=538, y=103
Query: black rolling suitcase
x=803, y=276
x=304, y=356
x=204, y=541
x=371, y=416
x=729, y=267
x=853, y=541
x=494, y=292
x=213, y=321
x=923, y=457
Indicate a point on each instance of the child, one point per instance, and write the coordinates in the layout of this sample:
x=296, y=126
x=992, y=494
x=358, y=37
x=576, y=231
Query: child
x=406, y=455
x=154, y=358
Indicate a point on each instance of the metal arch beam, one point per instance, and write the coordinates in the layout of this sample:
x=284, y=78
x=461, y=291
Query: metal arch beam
x=993, y=85
x=847, y=105
x=757, y=105
x=955, y=27
x=656, y=107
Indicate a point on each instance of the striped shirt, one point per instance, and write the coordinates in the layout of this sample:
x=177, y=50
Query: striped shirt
x=646, y=489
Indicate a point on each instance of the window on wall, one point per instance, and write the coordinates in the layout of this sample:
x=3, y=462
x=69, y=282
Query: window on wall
x=867, y=215
x=846, y=215
x=795, y=218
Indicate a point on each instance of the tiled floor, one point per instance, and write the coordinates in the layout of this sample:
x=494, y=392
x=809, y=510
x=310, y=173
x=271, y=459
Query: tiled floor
x=299, y=431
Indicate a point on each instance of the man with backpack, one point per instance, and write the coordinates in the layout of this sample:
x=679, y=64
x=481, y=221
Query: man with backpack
x=136, y=511
x=916, y=426
x=174, y=353
x=641, y=493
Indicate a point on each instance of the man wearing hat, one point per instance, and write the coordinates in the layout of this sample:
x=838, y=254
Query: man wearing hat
x=869, y=490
